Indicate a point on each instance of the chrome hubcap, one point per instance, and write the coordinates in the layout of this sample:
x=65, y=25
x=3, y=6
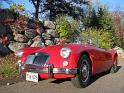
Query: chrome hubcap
x=84, y=71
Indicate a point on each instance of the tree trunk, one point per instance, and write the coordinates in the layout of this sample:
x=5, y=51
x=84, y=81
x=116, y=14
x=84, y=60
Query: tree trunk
x=37, y=9
x=50, y=17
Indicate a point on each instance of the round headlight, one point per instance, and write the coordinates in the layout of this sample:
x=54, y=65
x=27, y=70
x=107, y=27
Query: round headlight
x=20, y=53
x=65, y=52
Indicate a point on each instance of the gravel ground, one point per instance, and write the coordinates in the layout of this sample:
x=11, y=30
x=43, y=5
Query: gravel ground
x=103, y=83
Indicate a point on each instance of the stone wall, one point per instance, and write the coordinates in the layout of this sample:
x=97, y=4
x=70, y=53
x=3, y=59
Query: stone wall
x=19, y=32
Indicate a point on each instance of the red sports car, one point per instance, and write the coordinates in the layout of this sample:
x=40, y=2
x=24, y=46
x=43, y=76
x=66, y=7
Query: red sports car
x=76, y=61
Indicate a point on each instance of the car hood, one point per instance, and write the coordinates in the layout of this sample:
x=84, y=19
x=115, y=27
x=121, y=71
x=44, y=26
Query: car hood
x=54, y=53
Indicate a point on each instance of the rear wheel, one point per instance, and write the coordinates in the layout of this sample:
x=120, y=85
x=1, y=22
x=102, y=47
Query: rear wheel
x=82, y=78
x=114, y=67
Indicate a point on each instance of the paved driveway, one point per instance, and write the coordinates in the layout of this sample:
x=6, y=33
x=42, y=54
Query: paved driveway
x=103, y=83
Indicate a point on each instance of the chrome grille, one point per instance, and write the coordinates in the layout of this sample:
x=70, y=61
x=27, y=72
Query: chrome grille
x=38, y=59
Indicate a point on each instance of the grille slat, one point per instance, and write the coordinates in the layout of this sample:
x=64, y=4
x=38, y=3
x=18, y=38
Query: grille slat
x=38, y=59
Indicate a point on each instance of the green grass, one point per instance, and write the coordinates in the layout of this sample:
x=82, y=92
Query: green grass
x=8, y=67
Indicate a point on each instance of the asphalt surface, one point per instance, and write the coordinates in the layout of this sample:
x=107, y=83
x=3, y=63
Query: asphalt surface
x=102, y=83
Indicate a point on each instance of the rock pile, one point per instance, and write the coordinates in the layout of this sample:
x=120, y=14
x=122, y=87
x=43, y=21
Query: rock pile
x=20, y=32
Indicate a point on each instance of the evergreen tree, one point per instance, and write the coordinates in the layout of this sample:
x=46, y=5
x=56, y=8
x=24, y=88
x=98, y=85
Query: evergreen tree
x=93, y=19
x=104, y=18
x=57, y=7
x=105, y=22
x=90, y=18
x=101, y=20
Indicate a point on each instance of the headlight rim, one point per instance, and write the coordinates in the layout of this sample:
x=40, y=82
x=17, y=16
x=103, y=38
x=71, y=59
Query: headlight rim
x=68, y=50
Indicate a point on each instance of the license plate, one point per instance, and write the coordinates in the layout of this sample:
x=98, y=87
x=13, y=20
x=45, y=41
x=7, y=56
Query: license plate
x=30, y=76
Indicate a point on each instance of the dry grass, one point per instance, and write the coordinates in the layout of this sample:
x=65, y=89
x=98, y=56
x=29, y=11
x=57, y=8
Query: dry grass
x=8, y=67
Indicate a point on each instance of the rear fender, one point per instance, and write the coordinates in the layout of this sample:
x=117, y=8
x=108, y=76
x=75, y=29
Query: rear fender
x=114, y=55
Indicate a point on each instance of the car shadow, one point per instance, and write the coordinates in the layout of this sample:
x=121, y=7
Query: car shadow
x=96, y=77
x=58, y=81
x=93, y=78
x=118, y=68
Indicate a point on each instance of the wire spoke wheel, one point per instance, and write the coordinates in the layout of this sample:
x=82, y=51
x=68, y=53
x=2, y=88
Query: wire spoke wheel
x=83, y=76
x=84, y=71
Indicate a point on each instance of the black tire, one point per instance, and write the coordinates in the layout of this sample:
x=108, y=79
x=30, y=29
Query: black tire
x=83, y=76
x=114, y=66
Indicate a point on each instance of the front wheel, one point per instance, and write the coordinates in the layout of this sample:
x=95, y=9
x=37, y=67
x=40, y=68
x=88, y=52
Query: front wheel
x=83, y=76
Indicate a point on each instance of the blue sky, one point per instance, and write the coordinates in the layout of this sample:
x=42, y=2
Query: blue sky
x=112, y=5
x=27, y=4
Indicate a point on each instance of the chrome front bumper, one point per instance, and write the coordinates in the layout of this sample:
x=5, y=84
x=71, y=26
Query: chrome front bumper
x=50, y=70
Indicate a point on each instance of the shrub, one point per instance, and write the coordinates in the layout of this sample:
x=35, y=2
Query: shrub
x=8, y=67
x=63, y=28
x=17, y=7
x=66, y=27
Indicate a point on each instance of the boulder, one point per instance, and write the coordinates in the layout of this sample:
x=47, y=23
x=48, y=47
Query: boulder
x=49, y=42
x=31, y=25
x=37, y=38
x=2, y=29
x=3, y=50
x=30, y=42
x=37, y=44
x=8, y=29
x=46, y=36
x=56, y=40
x=49, y=24
x=51, y=32
x=6, y=15
x=39, y=30
x=30, y=33
x=20, y=38
x=15, y=46
x=10, y=36
x=21, y=30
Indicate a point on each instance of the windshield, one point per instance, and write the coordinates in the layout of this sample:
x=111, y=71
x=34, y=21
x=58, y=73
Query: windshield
x=91, y=40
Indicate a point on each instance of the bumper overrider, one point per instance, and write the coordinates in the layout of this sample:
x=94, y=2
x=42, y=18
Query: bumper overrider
x=50, y=70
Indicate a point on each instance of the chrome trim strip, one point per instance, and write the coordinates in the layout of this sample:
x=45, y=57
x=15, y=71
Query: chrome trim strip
x=65, y=70
x=52, y=71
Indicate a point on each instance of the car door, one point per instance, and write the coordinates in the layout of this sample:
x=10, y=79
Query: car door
x=101, y=60
x=107, y=60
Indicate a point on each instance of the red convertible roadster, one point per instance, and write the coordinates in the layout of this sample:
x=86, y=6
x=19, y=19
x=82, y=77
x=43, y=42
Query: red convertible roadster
x=76, y=61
